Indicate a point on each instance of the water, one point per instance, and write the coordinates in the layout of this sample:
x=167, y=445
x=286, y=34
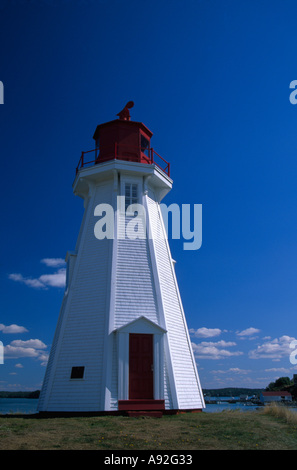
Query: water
x=29, y=406
x=215, y=408
x=224, y=405
x=18, y=405
x=242, y=406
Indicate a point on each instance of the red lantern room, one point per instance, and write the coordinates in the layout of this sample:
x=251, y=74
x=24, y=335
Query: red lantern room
x=123, y=139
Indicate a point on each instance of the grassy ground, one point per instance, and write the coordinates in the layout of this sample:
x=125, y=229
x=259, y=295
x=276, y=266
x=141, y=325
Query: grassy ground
x=230, y=430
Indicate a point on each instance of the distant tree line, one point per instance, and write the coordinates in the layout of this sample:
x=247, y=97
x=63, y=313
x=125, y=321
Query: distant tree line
x=279, y=384
x=284, y=384
x=232, y=392
x=34, y=394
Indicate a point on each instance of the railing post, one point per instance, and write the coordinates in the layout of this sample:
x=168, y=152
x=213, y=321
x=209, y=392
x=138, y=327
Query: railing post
x=152, y=155
x=115, y=150
x=82, y=159
x=169, y=169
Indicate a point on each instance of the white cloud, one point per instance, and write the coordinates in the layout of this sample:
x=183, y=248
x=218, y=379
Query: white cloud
x=10, y=329
x=248, y=332
x=211, y=350
x=232, y=370
x=44, y=359
x=222, y=344
x=274, y=349
x=30, y=343
x=15, y=352
x=205, y=332
x=282, y=370
x=31, y=348
x=29, y=282
x=57, y=279
x=53, y=262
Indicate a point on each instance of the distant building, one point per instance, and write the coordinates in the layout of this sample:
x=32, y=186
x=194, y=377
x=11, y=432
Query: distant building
x=243, y=397
x=267, y=397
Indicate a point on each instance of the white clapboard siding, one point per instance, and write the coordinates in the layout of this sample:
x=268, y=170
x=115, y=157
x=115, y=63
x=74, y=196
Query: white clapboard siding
x=134, y=295
x=188, y=390
x=116, y=287
x=42, y=397
x=81, y=328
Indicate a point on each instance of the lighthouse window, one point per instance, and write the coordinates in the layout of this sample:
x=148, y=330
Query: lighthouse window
x=144, y=144
x=77, y=372
x=131, y=194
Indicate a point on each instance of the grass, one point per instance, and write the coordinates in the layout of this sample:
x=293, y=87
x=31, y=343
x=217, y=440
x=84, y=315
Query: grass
x=282, y=412
x=270, y=429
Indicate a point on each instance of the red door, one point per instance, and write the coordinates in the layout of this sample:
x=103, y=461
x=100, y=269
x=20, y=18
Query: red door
x=141, y=384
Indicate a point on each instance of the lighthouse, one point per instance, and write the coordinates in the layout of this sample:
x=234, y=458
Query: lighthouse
x=121, y=342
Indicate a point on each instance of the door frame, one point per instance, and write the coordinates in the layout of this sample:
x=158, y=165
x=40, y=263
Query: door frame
x=143, y=326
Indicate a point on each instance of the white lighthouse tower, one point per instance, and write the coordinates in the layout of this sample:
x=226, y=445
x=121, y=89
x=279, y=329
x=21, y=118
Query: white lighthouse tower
x=121, y=342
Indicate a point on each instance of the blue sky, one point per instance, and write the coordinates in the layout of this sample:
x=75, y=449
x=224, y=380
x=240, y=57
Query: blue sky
x=211, y=79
